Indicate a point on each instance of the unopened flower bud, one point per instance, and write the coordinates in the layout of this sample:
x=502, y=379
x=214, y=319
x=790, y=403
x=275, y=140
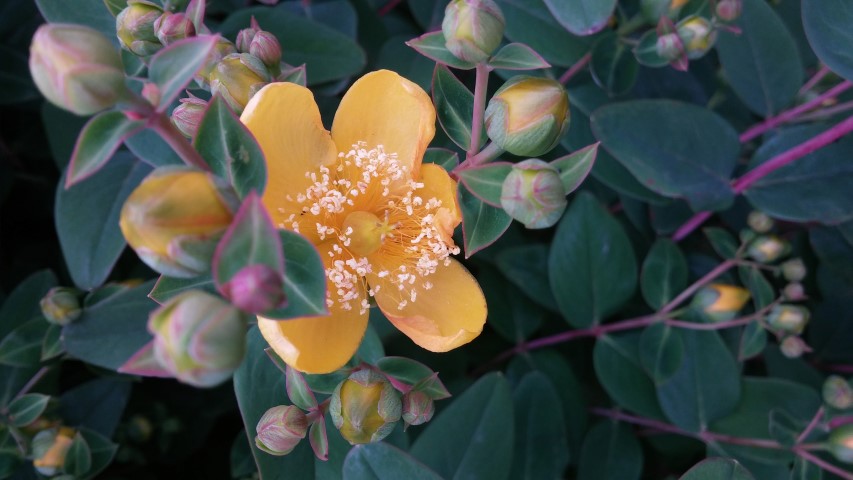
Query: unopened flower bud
x=719, y=302
x=365, y=407
x=789, y=318
x=794, y=270
x=61, y=306
x=267, y=48
x=174, y=218
x=527, y=116
x=187, y=116
x=135, y=27
x=698, y=35
x=237, y=78
x=670, y=46
x=198, y=338
x=767, y=248
x=255, y=289
x=151, y=93
x=729, y=10
x=759, y=221
x=244, y=39
x=473, y=29
x=221, y=49
x=838, y=393
x=793, y=347
x=418, y=408
x=794, y=292
x=76, y=68
x=280, y=429
x=50, y=448
x=171, y=27
x=533, y=194
x=841, y=443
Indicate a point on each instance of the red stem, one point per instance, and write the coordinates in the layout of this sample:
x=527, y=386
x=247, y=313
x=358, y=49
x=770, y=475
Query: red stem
x=160, y=123
x=811, y=426
x=481, y=85
x=386, y=9
x=817, y=77
x=823, y=464
x=574, y=69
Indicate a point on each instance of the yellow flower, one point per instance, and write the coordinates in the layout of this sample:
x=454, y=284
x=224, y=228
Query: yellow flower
x=381, y=220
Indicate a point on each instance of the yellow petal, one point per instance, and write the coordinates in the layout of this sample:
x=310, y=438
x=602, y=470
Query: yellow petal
x=286, y=122
x=383, y=108
x=450, y=314
x=438, y=184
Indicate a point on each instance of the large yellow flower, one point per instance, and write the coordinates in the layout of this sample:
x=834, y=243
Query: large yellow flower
x=381, y=220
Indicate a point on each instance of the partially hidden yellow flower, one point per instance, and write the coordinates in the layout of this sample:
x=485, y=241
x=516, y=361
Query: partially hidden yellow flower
x=381, y=220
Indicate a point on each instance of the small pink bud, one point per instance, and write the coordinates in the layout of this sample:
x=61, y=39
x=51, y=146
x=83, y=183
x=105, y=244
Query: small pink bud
x=793, y=347
x=418, y=408
x=729, y=10
x=187, y=116
x=171, y=27
x=244, y=39
x=838, y=393
x=255, y=289
x=281, y=429
x=151, y=93
x=267, y=48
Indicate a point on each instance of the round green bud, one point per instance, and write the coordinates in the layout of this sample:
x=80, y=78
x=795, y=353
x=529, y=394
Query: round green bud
x=237, y=78
x=533, y=194
x=61, y=305
x=789, y=318
x=759, y=221
x=473, y=29
x=793, y=347
x=670, y=46
x=281, y=429
x=698, y=35
x=365, y=407
x=719, y=302
x=837, y=393
x=729, y=10
x=794, y=270
x=767, y=248
x=221, y=49
x=841, y=443
x=135, y=27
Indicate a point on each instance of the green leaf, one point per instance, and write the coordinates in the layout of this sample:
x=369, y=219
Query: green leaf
x=676, y=149
x=784, y=428
x=753, y=339
x=259, y=386
x=464, y=440
x=591, y=267
x=617, y=365
x=87, y=220
x=447, y=159
x=646, y=51
x=102, y=451
x=27, y=408
x=526, y=266
x=173, y=67
x=168, y=287
x=298, y=390
x=610, y=452
x=23, y=303
x=761, y=290
x=62, y=129
x=404, y=369
x=51, y=345
x=98, y=141
x=517, y=56
x=486, y=182
x=582, y=17
x=241, y=461
x=717, y=469
x=541, y=447
x=380, y=461
x=706, y=387
x=664, y=273
x=826, y=23
x=613, y=65
x=97, y=404
x=482, y=224
x=515, y=317
x=531, y=23
x=22, y=346
x=813, y=188
x=78, y=460
x=661, y=352
x=575, y=166
x=454, y=106
x=115, y=6
x=230, y=149
x=370, y=350
x=304, y=278
x=761, y=61
x=432, y=46
x=723, y=242
x=91, y=13
x=395, y=55
x=153, y=150
x=119, y=321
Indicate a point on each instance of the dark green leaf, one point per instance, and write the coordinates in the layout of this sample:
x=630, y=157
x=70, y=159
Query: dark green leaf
x=723, y=242
x=517, y=56
x=51, y=344
x=454, y=106
x=431, y=45
x=526, y=266
x=664, y=273
x=23, y=303
x=98, y=141
x=617, y=365
x=152, y=149
x=230, y=149
x=242, y=463
x=513, y=316
x=298, y=390
x=541, y=448
x=717, y=469
x=761, y=289
x=530, y=22
x=661, y=352
x=805, y=470
x=826, y=23
x=16, y=84
x=582, y=17
x=87, y=220
x=591, y=267
x=380, y=461
x=78, y=460
x=22, y=346
x=610, y=452
x=173, y=67
x=676, y=149
x=370, y=350
x=304, y=278
x=575, y=166
x=784, y=428
x=482, y=223
x=27, y=409
x=404, y=369
x=761, y=62
x=91, y=13
x=97, y=404
x=613, y=65
x=62, y=129
x=168, y=287
x=646, y=51
x=448, y=159
x=753, y=339
x=486, y=182
x=397, y=56
x=102, y=451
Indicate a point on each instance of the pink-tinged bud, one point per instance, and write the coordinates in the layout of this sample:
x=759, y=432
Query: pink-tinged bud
x=838, y=393
x=187, y=116
x=789, y=318
x=418, y=408
x=729, y=10
x=50, y=447
x=718, y=302
x=198, y=338
x=473, y=29
x=794, y=292
x=281, y=429
x=76, y=68
x=237, y=78
x=794, y=270
x=528, y=116
x=533, y=194
x=171, y=27
x=841, y=443
x=135, y=27
x=268, y=49
x=759, y=221
x=151, y=93
x=767, y=248
x=698, y=35
x=255, y=289
x=670, y=46
x=244, y=39
x=365, y=407
x=61, y=305
x=793, y=347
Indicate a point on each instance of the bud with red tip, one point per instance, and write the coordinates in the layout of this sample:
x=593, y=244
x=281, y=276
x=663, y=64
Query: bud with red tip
x=281, y=429
x=188, y=115
x=418, y=408
x=171, y=27
x=255, y=289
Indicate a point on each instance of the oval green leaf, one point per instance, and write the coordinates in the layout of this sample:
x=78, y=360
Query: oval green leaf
x=827, y=25
x=454, y=106
x=541, y=447
x=482, y=224
x=27, y=408
x=432, y=46
x=97, y=143
x=582, y=17
x=610, y=452
x=486, y=182
x=718, y=469
x=173, y=67
x=664, y=273
x=380, y=461
x=517, y=56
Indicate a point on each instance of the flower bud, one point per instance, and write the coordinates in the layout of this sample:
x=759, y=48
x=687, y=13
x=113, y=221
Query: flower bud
x=135, y=27
x=841, y=443
x=221, y=49
x=174, y=218
x=767, y=248
x=198, y=338
x=244, y=39
x=472, y=29
x=837, y=393
x=759, y=221
x=280, y=429
x=76, y=68
x=794, y=292
x=171, y=27
x=418, y=408
x=793, y=347
x=719, y=302
x=670, y=46
x=527, y=116
x=789, y=318
x=267, y=48
x=729, y=10
x=365, y=407
x=50, y=448
x=60, y=305
x=698, y=35
x=794, y=270
x=255, y=289
x=237, y=78
x=533, y=194
x=188, y=115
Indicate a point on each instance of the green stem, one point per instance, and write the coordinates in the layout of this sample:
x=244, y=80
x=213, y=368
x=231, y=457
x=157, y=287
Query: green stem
x=481, y=85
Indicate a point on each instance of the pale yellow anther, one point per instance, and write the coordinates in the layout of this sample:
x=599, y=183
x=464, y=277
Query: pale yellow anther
x=366, y=234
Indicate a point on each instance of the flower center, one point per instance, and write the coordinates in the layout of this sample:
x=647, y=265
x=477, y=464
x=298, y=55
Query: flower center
x=366, y=232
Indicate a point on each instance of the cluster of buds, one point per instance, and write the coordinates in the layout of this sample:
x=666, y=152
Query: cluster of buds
x=838, y=393
x=473, y=29
x=61, y=305
x=719, y=302
x=49, y=449
x=788, y=322
x=533, y=194
x=690, y=39
x=143, y=27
